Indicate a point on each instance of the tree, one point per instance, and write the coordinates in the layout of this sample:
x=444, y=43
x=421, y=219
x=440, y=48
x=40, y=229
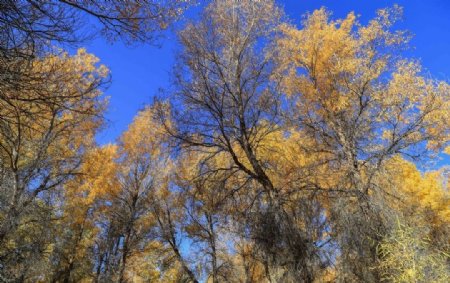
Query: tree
x=331, y=92
x=131, y=237
x=362, y=103
x=85, y=200
x=208, y=210
x=143, y=161
x=30, y=29
x=232, y=106
x=44, y=131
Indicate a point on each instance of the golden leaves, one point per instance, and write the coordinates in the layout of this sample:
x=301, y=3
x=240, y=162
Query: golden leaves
x=419, y=191
x=342, y=70
x=62, y=103
x=146, y=134
x=406, y=257
x=447, y=150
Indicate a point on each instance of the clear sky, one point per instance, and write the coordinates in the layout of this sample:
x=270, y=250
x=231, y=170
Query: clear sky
x=139, y=72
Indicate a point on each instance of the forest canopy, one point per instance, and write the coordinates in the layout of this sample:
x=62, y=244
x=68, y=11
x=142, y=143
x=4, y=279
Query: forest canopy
x=283, y=152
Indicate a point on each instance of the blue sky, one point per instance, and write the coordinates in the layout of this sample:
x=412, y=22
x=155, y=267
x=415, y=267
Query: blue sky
x=139, y=72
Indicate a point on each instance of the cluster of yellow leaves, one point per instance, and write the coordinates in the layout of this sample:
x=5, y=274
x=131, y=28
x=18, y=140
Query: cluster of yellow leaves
x=336, y=67
x=85, y=195
x=97, y=178
x=61, y=97
x=411, y=97
x=252, y=269
x=69, y=85
x=327, y=276
x=145, y=265
x=447, y=150
x=145, y=135
x=419, y=192
x=291, y=164
x=145, y=145
x=422, y=202
x=405, y=257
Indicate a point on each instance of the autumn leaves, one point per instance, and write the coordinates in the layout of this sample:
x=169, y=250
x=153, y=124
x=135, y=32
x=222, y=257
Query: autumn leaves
x=284, y=154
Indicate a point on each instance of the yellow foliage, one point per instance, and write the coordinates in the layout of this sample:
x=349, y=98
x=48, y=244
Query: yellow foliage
x=98, y=179
x=421, y=191
x=405, y=257
x=62, y=104
x=340, y=68
x=146, y=134
x=447, y=150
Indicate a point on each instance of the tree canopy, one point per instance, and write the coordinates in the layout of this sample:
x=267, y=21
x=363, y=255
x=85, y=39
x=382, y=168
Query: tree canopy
x=284, y=153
